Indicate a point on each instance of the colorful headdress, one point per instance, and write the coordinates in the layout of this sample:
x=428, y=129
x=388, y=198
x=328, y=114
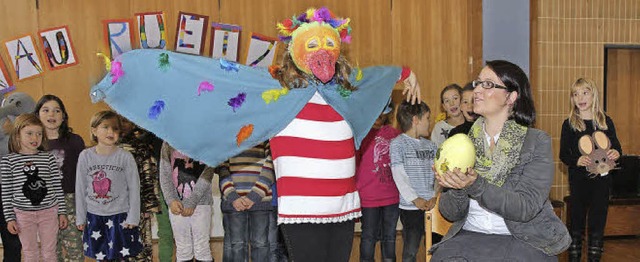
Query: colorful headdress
x=322, y=15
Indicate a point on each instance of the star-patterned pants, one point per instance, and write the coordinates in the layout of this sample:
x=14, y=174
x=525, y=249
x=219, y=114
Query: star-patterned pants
x=105, y=237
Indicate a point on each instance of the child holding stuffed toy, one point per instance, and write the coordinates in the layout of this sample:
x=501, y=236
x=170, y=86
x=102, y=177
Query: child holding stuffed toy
x=588, y=190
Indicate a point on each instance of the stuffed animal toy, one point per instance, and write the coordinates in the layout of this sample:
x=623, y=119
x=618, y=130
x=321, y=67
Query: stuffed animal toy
x=596, y=146
x=15, y=104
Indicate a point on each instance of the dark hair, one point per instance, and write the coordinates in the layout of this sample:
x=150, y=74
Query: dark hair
x=450, y=87
x=468, y=87
x=406, y=112
x=524, y=111
x=64, y=131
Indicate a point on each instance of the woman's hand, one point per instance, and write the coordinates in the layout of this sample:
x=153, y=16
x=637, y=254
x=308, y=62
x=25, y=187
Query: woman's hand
x=585, y=160
x=456, y=179
x=613, y=154
x=412, y=89
x=80, y=227
x=12, y=226
x=62, y=221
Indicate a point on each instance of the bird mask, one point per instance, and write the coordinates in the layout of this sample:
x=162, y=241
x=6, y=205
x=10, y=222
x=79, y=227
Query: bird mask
x=314, y=39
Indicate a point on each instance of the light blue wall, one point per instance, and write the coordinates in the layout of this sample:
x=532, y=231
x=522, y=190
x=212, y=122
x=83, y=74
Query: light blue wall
x=505, y=31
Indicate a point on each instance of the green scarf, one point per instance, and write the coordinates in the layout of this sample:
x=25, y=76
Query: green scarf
x=495, y=166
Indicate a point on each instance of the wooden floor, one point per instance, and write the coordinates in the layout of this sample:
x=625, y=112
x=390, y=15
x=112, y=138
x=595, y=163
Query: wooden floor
x=615, y=250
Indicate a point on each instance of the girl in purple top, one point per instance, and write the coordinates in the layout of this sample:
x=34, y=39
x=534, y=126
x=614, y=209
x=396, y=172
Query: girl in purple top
x=65, y=146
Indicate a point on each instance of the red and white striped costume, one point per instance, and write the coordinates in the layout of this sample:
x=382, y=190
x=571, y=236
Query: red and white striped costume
x=314, y=160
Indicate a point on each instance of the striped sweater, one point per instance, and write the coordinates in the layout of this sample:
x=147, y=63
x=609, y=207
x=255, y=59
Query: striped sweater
x=31, y=183
x=248, y=174
x=314, y=160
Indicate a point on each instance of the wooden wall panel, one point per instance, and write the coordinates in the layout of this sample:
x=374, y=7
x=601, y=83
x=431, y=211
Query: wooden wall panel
x=623, y=80
x=369, y=19
x=72, y=84
x=567, y=42
x=440, y=40
x=437, y=39
x=22, y=18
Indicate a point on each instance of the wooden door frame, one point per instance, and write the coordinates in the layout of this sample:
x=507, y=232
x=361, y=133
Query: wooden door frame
x=607, y=47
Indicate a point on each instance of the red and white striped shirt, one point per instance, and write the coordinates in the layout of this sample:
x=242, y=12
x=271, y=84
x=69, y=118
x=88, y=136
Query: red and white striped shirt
x=314, y=161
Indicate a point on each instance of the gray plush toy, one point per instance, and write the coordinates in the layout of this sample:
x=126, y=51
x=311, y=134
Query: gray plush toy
x=12, y=106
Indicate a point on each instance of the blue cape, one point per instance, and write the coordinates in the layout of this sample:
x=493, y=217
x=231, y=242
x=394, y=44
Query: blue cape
x=204, y=126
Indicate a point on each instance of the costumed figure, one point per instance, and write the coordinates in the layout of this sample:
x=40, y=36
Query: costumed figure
x=314, y=108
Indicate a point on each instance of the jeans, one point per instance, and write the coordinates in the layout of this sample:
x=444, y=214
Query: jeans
x=379, y=223
x=308, y=242
x=244, y=229
x=412, y=232
x=277, y=248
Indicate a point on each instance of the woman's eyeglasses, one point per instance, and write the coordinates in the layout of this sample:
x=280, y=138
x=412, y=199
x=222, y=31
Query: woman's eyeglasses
x=487, y=84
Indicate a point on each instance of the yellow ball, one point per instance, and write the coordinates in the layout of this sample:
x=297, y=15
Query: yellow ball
x=457, y=151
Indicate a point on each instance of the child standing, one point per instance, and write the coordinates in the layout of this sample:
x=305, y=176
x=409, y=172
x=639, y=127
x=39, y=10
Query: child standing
x=378, y=193
x=245, y=183
x=139, y=143
x=32, y=196
x=589, y=196
x=66, y=147
x=411, y=159
x=186, y=186
x=108, y=194
x=450, y=99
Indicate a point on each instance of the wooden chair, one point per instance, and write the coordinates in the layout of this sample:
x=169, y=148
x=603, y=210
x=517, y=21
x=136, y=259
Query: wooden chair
x=434, y=222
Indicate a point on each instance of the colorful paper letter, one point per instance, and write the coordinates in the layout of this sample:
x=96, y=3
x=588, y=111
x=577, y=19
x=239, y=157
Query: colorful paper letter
x=5, y=82
x=262, y=50
x=224, y=41
x=190, y=33
x=24, y=57
x=57, y=48
x=151, y=30
x=118, y=36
